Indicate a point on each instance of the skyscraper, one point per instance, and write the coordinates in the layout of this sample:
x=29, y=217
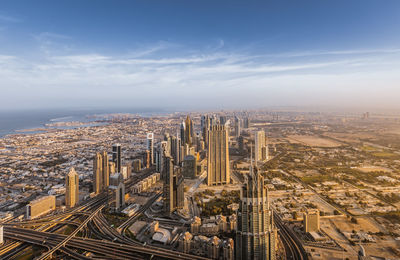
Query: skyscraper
x=190, y=167
x=106, y=172
x=179, y=196
x=246, y=122
x=175, y=149
x=117, y=184
x=116, y=156
x=237, y=126
x=160, y=152
x=168, y=140
x=183, y=133
x=173, y=186
x=168, y=185
x=256, y=231
x=241, y=144
x=137, y=165
x=188, y=131
x=205, y=126
x=222, y=120
x=101, y=172
x=97, y=173
x=150, y=146
x=71, y=188
x=218, y=156
x=259, y=145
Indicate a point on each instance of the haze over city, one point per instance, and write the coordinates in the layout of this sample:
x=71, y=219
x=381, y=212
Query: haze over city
x=249, y=55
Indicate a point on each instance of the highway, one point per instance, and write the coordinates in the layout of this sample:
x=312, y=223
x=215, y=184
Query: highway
x=63, y=243
x=49, y=223
x=106, y=242
x=101, y=247
x=112, y=243
x=293, y=247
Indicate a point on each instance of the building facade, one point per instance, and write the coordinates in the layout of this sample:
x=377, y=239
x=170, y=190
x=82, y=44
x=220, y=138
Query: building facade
x=311, y=220
x=116, y=156
x=190, y=167
x=218, y=156
x=40, y=206
x=150, y=147
x=101, y=172
x=256, y=231
x=259, y=146
x=71, y=189
x=118, y=186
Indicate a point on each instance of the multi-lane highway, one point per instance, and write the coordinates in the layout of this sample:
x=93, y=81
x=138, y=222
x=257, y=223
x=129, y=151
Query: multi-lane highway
x=111, y=243
x=100, y=247
x=50, y=223
x=105, y=241
x=293, y=247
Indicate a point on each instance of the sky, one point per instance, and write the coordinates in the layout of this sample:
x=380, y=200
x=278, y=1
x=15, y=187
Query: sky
x=199, y=54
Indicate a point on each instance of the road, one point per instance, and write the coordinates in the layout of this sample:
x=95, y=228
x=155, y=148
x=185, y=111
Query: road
x=101, y=247
x=293, y=247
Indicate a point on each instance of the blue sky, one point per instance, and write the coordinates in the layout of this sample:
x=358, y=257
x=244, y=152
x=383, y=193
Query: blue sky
x=199, y=54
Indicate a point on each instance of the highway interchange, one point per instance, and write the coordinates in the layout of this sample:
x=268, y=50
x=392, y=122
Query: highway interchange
x=97, y=239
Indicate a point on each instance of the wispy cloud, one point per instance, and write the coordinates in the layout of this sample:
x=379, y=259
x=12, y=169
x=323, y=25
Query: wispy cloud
x=336, y=52
x=235, y=76
x=49, y=42
x=9, y=19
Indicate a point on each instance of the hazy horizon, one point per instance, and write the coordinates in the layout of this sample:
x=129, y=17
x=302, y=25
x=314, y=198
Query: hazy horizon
x=189, y=55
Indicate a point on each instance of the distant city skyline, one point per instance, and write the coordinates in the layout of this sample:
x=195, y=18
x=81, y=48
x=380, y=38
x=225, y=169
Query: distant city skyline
x=174, y=54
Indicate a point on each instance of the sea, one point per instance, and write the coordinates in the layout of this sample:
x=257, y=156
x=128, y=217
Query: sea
x=12, y=122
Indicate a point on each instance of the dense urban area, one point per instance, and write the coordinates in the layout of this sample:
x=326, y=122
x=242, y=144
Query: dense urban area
x=213, y=185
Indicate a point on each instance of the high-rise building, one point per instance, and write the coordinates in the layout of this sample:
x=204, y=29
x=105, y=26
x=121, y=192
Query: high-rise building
x=237, y=126
x=111, y=167
x=160, y=153
x=311, y=220
x=188, y=131
x=179, y=195
x=1, y=235
x=195, y=225
x=246, y=122
x=126, y=171
x=190, y=167
x=173, y=186
x=259, y=145
x=116, y=156
x=256, y=232
x=71, y=189
x=106, y=173
x=241, y=143
x=101, y=172
x=168, y=143
x=213, y=247
x=222, y=120
x=175, y=149
x=168, y=185
x=264, y=153
x=228, y=249
x=150, y=146
x=184, y=242
x=118, y=186
x=147, y=159
x=97, y=173
x=137, y=165
x=205, y=126
x=218, y=156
